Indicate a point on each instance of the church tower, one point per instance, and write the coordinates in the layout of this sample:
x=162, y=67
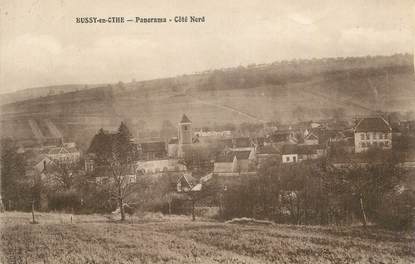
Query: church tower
x=185, y=136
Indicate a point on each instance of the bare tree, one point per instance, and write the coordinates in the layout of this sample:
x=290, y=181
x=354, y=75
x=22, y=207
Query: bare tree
x=64, y=174
x=117, y=155
x=367, y=184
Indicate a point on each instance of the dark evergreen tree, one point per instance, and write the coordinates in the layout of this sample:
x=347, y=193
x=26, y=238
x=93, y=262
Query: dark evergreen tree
x=116, y=153
x=16, y=189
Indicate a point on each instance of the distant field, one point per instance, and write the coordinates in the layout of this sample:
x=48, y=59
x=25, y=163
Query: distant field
x=92, y=239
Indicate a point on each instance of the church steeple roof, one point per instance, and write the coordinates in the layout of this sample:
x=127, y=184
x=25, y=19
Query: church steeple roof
x=185, y=119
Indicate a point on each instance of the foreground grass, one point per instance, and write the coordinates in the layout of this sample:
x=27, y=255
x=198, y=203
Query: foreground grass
x=93, y=239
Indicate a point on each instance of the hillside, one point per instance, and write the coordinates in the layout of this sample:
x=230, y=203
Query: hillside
x=163, y=239
x=36, y=92
x=283, y=91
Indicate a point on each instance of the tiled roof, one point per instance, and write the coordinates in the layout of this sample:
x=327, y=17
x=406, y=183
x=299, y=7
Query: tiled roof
x=187, y=180
x=101, y=141
x=289, y=149
x=32, y=161
x=408, y=156
x=229, y=156
x=224, y=158
x=61, y=150
x=242, y=142
x=174, y=141
x=260, y=141
x=373, y=124
x=323, y=134
x=348, y=133
x=267, y=150
x=308, y=149
x=185, y=119
x=240, y=155
x=226, y=142
x=55, y=151
x=158, y=146
x=311, y=136
x=338, y=125
x=279, y=137
x=299, y=149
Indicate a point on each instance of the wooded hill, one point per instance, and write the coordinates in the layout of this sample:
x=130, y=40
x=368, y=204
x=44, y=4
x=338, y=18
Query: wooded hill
x=284, y=91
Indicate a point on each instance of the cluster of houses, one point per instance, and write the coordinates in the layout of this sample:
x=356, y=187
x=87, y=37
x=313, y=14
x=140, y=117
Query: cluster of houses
x=223, y=154
x=41, y=160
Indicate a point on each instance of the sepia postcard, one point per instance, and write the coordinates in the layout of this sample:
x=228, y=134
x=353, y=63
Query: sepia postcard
x=195, y=131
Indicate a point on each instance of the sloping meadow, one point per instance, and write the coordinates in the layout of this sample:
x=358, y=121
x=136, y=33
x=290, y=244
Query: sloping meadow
x=95, y=239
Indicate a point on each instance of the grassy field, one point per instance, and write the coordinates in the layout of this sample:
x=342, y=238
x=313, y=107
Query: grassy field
x=94, y=239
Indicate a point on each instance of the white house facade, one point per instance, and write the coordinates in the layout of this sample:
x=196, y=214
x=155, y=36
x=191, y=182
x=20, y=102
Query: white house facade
x=372, y=132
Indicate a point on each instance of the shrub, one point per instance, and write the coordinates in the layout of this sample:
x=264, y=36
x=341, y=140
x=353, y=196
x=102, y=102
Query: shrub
x=66, y=201
x=397, y=211
x=96, y=199
x=207, y=212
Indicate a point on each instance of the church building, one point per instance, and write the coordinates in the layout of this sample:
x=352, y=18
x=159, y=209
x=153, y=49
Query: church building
x=183, y=144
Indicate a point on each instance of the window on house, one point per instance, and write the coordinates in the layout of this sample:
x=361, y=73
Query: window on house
x=294, y=159
x=367, y=136
x=362, y=136
x=287, y=159
x=185, y=127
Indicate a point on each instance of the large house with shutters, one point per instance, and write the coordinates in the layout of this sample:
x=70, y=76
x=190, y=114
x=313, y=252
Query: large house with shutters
x=372, y=132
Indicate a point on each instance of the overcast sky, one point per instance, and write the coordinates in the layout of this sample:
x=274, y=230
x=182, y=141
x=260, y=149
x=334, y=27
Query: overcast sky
x=40, y=43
